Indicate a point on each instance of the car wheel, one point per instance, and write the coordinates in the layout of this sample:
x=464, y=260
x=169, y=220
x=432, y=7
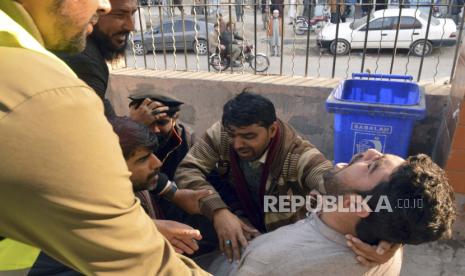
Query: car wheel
x=342, y=47
x=300, y=27
x=201, y=48
x=417, y=48
x=139, y=48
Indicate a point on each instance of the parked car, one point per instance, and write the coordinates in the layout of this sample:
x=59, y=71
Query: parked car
x=167, y=34
x=382, y=33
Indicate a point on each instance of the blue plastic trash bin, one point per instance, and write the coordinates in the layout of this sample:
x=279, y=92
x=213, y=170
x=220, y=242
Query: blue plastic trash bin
x=374, y=111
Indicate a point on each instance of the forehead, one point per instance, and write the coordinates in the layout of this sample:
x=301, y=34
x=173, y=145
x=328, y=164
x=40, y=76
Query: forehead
x=138, y=153
x=254, y=128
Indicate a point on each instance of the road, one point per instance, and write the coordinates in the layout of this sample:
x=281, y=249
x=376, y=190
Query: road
x=320, y=62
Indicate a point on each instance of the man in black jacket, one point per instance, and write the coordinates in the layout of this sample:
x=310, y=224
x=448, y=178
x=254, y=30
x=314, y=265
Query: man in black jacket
x=107, y=42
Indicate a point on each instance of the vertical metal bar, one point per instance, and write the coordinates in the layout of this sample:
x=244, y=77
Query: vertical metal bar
x=196, y=37
x=162, y=35
x=152, y=37
x=206, y=28
x=173, y=37
x=243, y=36
x=365, y=42
x=255, y=35
x=184, y=38
x=282, y=41
x=142, y=33
x=232, y=36
x=397, y=36
x=457, y=47
x=426, y=40
x=338, y=17
x=308, y=39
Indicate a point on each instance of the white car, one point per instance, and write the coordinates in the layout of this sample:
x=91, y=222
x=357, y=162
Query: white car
x=382, y=33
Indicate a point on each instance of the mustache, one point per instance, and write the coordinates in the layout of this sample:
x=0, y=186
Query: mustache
x=153, y=174
x=126, y=33
x=94, y=19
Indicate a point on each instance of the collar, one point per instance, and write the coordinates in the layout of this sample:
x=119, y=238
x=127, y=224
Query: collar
x=17, y=29
x=260, y=161
x=327, y=231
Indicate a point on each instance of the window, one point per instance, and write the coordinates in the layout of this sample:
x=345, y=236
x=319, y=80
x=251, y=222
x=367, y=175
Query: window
x=189, y=26
x=358, y=22
x=384, y=23
x=434, y=20
x=407, y=22
x=167, y=28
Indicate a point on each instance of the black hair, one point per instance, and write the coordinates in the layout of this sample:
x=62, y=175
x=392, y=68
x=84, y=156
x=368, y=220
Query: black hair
x=247, y=109
x=431, y=211
x=133, y=136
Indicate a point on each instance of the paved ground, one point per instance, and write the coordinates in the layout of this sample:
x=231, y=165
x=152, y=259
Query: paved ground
x=320, y=62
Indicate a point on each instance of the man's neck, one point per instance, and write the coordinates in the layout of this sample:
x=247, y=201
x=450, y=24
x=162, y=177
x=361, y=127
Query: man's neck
x=343, y=223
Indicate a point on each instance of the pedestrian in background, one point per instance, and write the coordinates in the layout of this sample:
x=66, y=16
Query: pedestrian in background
x=292, y=12
x=337, y=8
x=239, y=10
x=455, y=10
x=274, y=31
x=265, y=8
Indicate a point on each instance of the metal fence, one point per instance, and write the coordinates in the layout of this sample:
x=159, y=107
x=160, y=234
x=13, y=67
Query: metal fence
x=314, y=38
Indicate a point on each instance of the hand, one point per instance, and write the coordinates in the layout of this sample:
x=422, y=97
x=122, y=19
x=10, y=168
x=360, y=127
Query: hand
x=179, y=235
x=248, y=234
x=232, y=233
x=144, y=113
x=188, y=200
x=371, y=255
x=222, y=47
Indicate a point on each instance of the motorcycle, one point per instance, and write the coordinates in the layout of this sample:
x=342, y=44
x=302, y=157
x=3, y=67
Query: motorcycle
x=221, y=61
x=302, y=24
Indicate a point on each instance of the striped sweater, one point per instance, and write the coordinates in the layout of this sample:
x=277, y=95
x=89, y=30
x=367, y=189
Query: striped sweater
x=297, y=169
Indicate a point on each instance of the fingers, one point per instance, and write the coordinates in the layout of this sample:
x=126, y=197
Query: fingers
x=243, y=244
x=357, y=243
x=221, y=243
x=228, y=248
x=182, y=246
x=202, y=193
x=193, y=234
x=365, y=262
x=383, y=246
x=358, y=251
x=177, y=250
x=371, y=254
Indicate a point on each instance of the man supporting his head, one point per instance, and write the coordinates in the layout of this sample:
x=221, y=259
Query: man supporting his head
x=253, y=154
x=63, y=176
x=175, y=141
x=317, y=245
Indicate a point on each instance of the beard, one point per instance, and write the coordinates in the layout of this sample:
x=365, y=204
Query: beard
x=109, y=51
x=77, y=42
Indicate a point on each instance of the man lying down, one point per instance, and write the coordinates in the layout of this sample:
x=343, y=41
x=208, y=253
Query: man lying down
x=380, y=198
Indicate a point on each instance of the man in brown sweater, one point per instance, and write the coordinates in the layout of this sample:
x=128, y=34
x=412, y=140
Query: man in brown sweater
x=252, y=154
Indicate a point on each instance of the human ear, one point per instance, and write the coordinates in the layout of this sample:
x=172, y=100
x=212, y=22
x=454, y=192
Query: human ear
x=273, y=129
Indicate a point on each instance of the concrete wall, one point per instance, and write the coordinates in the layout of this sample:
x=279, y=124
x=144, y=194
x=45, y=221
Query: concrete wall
x=455, y=127
x=299, y=101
